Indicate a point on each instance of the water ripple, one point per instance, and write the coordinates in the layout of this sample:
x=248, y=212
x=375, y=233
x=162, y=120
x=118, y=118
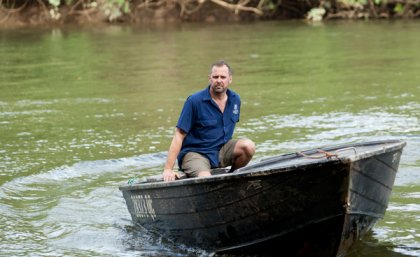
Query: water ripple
x=79, y=170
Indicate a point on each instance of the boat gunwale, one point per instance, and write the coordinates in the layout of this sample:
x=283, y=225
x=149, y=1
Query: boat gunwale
x=219, y=177
x=382, y=146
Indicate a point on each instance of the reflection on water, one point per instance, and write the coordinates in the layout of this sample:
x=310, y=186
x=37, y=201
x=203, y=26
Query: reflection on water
x=84, y=110
x=370, y=246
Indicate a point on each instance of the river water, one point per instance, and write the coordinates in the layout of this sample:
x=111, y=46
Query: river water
x=83, y=110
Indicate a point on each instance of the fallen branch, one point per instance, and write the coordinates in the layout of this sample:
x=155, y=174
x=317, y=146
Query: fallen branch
x=84, y=11
x=237, y=7
x=147, y=3
x=184, y=7
x=372, y=8
x=9, y=11
x=13, y=10
x=44, y=7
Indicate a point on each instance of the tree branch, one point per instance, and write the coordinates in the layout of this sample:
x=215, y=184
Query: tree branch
x=237, y=7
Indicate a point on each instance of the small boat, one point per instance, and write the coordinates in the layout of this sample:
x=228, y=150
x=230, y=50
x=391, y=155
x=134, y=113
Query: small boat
x=317, y=202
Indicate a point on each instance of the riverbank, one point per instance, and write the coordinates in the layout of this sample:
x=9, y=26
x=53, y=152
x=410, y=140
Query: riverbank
x=19, y=13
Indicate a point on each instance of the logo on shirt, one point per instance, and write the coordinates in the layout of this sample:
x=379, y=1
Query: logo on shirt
x=235, y=109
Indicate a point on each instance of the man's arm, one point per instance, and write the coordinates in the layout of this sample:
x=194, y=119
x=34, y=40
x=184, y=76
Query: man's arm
x=174, y=149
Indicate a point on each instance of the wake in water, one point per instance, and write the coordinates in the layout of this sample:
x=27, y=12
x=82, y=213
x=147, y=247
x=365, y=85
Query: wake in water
x=73, y=210
x=85, y=170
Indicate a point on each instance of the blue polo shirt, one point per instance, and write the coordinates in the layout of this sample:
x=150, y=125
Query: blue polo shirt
x=207, y=128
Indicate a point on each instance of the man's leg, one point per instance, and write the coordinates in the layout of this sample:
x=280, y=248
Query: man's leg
x=236, y=153
x=243, y=152
x=196, y=165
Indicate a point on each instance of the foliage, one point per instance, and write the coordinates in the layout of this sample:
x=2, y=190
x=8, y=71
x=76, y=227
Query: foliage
x=139, y=10
x=54, y=3
x=399, y=8
x=113, y=9
x=316, y=14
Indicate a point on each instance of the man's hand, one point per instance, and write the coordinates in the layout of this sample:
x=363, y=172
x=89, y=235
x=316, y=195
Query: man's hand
x=169, y=175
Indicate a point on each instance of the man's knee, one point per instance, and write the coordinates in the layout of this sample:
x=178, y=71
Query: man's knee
x=246, y=147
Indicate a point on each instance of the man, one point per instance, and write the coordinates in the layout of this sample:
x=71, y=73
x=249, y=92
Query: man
x=203, y=135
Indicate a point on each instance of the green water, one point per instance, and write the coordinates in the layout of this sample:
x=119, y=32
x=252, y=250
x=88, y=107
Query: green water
x=82, y=110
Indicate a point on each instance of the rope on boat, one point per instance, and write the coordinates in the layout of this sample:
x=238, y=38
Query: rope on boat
x=326, y=154
x=132, y=181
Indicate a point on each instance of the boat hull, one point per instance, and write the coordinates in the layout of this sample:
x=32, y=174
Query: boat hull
x=289, y=203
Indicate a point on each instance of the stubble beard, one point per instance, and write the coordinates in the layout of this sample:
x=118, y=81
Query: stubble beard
x=219, y=88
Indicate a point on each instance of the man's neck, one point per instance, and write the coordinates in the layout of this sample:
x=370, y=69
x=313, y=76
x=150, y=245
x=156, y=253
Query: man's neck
x=220, y=100
x=218, y=97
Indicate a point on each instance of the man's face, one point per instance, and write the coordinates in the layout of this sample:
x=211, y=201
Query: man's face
x=220, y=79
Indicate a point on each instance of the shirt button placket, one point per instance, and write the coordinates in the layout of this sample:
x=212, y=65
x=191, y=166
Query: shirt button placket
x=224, y=128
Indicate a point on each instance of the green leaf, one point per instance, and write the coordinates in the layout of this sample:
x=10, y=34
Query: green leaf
x=316, y=14
x=55, y=3
x=126, y=7
x=399, y=8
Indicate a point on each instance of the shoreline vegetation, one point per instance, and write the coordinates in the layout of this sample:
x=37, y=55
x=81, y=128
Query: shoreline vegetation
x=18, y=13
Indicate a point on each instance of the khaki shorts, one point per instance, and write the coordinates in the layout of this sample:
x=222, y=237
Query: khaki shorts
x=193, y=163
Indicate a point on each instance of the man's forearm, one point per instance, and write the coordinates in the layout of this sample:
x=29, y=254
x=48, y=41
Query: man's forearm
x=174, y=149
x=172, y=154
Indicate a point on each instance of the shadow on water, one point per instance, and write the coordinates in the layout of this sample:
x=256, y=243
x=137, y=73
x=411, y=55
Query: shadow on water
x=138, y=239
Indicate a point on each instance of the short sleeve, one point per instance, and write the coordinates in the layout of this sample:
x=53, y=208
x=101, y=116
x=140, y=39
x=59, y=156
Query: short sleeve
x=185, y=120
